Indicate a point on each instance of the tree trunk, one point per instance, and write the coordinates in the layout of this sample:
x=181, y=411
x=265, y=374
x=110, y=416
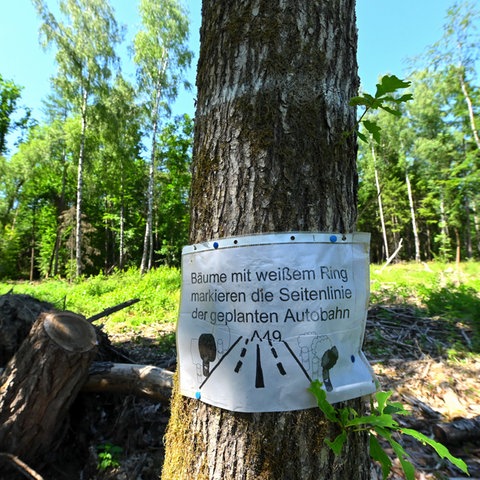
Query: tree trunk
x=81, y=158
x=414, y=221
x=147, y=255
x=476, y=226
x=144, y=380
x=468, y=100
x=147, y=239
x=468, y=232
x=41, y=381
x=270, y=154
x=380, y=205
x=458, y=431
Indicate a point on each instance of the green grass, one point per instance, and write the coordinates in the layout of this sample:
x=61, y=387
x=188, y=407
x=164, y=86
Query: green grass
x=447, y=291
x=436, y=289
x=158, y=291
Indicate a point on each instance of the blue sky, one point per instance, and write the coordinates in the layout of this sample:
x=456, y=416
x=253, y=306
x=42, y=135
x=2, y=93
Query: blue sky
x=390, y=32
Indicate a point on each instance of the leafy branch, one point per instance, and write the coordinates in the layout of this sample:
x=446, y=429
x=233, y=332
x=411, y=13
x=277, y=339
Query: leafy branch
x=384, y=100
x=380, y=423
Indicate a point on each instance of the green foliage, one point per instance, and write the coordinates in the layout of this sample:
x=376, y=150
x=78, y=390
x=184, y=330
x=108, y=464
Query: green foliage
x=158, y=291
x=9, y=95
x=108, y=456
x=173, y=185
x=449, y=292
x=383, y=99
x=380, y=422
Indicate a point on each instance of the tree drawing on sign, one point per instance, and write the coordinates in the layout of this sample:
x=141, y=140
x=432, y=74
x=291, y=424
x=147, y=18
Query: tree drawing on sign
x=208, y=351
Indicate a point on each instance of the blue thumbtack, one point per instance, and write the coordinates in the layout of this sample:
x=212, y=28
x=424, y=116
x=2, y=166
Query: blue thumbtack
x=215, y=245
x=333, y=238
x=198, y=395
x=352, y=358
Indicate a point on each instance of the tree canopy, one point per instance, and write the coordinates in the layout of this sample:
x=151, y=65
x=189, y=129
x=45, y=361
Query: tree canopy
x=110, y=162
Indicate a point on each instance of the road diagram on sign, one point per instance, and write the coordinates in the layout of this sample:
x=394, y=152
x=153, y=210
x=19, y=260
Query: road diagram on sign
x=314, y=356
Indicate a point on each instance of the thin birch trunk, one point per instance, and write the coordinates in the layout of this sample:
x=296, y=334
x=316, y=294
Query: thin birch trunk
x=471, y=113
x=147, y=255
x=81, y=158
x=380, y=205
x=121, y=247
x=412, y=214
x=476, y=226
x=468, y=233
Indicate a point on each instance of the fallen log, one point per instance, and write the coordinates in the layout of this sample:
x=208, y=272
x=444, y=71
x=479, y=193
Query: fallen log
x=145, y=380
x=458, y=431
x=41, y=381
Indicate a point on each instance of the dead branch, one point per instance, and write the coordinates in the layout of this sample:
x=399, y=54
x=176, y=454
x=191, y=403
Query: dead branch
x=20, y=466
x=115, y=308
x=392, y=256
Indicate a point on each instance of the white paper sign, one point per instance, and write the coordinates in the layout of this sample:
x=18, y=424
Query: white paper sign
x=262, y=316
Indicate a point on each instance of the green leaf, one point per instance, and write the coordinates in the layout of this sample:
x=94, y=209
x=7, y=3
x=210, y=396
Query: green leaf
x=345, y=414
x=373, y=129
x=395, y=408
x=441, y=450
x=404, y=98
x=400, y=452
x=390, y=84
x=362, y=137
x=382, y=397
x=321, y=396
x=383, y=420
x=379, y=455
x=366, y=100
x=397, y=113
x=338, y=443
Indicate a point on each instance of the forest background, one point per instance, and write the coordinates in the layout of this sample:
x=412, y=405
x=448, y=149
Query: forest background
x=102, y=182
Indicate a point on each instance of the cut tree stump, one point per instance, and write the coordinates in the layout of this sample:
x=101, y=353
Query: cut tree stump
x=41, y=381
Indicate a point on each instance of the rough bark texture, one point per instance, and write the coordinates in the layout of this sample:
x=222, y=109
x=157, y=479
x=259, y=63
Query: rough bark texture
x=144, y=380
x=17, y=315
x=273, y=151
x=458, y=431
x=41, y=381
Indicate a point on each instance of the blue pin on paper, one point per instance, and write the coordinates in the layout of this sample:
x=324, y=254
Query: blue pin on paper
x=333, y=238
x=198, y=395
x=215, y=245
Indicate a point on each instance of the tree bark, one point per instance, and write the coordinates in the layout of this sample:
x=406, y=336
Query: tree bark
x=41, y=381
x=81, y=159
x=145, y=380
x=468, y=100
x=272, y=152
x=458, y=431
x=412, y=215
x=380, y=205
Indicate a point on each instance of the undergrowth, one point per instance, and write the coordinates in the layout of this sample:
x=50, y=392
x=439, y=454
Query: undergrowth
x=448, y=291
x=157, y=290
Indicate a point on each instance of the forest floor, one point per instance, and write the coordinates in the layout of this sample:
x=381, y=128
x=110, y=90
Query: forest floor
x=412, y=355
